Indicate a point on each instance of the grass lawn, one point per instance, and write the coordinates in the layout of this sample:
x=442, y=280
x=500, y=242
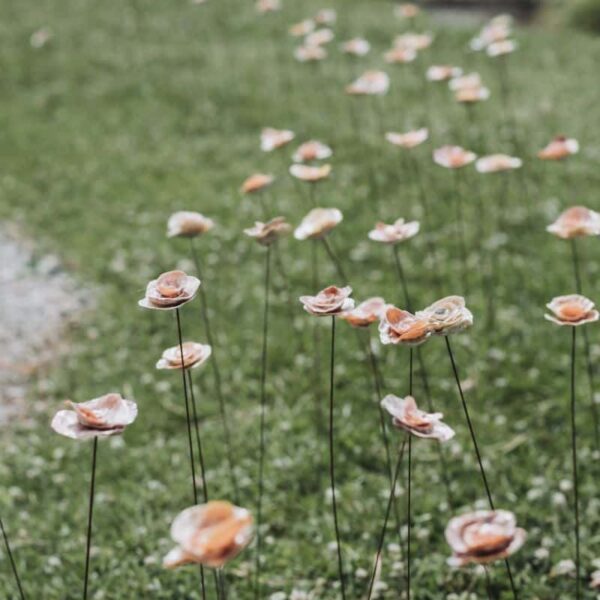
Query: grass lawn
x=135, y=109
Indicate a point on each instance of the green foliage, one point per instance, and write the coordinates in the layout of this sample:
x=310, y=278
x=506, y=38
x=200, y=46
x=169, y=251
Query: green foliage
x=584, y=14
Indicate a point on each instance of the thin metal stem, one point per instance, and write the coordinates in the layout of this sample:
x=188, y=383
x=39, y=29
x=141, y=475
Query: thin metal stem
x=90, y=517
x=401, y=277
x=12, y=561
x=574, y=460
x=217, y=375
x=263, y=401
x=332, y=462
x=335, y=260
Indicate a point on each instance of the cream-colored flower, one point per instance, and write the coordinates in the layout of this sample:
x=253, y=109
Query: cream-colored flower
x=312, y=150
x=302, y=28
x=407, y=416
x=310, y=174
x=483, y=537
x=446, y=316
x=320, y=37
x=415, y=41
x=171, y=290
x=472, y=95
x=326, y=16
x=497, y=162
x=577, y=221
x=309, y=53
x=406, y=10
x=365, y=313
x=408, y=140
x=104, y=416
x=257, y=182
x=399, y=231
x=329, y=302
x=267, y=233
x=572, y=310
x=453, y=157
x=400, y=55
x=501, y=48
x=443, y=73
x=317, y=223
x=189, y=224
x=497, y=30
x=470, y=80
x=560, y=147
x=271, y=139
x=356, y=47
x=266, y=6
x=370, y=83
x=401, y=327
x=210, y=534
x=194, y=355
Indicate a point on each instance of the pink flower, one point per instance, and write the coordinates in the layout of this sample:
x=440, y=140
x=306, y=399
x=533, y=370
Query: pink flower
x=410, y=139
x=319, y=37
x=400, y=55
x=194, y=355
x=395, y=233
x=317, y=223
x=559, y=148
x=356, y=47
x=257, y=182
x=169, y=291
x=267, y=233
x=413, y=41
x=370, y=83
x=310, y=174
x=271, y=139
x=497, y=162
x=329, y=302
x=443, y=72
x=188, y=224
x=302, y=28
x=572, y=310
x=312, y=150
x=577, y=221
x=453, y=157
x=309, y=53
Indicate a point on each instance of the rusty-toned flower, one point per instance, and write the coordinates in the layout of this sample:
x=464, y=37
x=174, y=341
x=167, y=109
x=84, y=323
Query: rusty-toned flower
x=267, y=233
x=483, y=536
x=312, y=150
x=446, y=316
x=497, y=162
x=370, y=83
x=310, y=174
x=189, y=224
x=328, y=302
x=210, y=534
x=302, y=28
x=365, y=313
x=399, y=55
x=356, y=47
x=271, y=139
x=453, y=157
x=194, y=355
x=399, y=231
x=320, y=37
x=256, y=183
x=104, y=416
x=414, y=41
x=171, y=290
x=267, y=6
x=470, y=95
x=577, y=221
x=443, y=72
x=326, y=16
x=407, y=416
x=406, y=10
x=309, y=53
x=500, y=48
x=572, y=310
x=559, y=148
x=410, y=139
x=401, y=327
x=317, y=223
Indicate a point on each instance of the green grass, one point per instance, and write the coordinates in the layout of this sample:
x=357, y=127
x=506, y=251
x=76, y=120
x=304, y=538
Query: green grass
x=137, y=109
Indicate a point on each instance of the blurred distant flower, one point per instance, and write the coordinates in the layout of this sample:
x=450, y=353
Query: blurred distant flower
x=407, y=416
x=194, y=355
x=266, y=6
x=414, y=41
x=257, y=182
x=400, y=55
x=483, y=536
x=211, y=534
x=328, y=302
x=302, y=28
x=399, y=231
x=472, y=95
x=356, y=47
x=374, y=83
x=326, y=16
x=317, y=223
x=497, y=30
x=319, y=37
x=271, y=139
x=365, y=313
x=103, y=416
x=267, y=233
x=572, y=310
x=312, y=150
x=406, y=10
x=497, y=162
x=470, y=80
x=595, y=580
x=309, y=53
x=188, y=224
x=401, y=327
x=443, y=72
x=171, y=290
x=453, y=157
x=577, y=221
x=40, y=38
x=501, y=48
x=311, y=174
x=410, y=139
x=560, y=147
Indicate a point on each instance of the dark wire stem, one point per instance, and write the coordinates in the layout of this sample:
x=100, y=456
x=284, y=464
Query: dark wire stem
x=88, y=544
x=586, y=345
x=217, y=374
x=335, y=260
x=316, y=383
x=488, y=583
x=460, y=231
x=332, y=462
x=401, y=277
x=263, y=401
x=189, y=431
x=477, y=453
x=201, y=460
x=574, y=460
x=388, y=510
x=12, y=561
x=222, y=589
